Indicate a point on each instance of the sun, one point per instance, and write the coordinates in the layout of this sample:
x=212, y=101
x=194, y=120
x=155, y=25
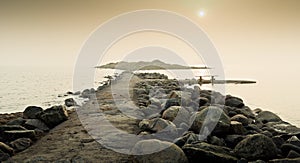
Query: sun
x=201, y=13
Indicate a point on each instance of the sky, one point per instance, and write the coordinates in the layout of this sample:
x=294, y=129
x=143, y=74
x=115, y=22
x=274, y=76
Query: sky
x=51, y=33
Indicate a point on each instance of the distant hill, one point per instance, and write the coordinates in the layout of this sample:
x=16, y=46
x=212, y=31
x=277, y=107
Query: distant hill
x=142, y=65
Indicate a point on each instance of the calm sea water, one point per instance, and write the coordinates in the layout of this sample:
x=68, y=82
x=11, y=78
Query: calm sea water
x=20, y=87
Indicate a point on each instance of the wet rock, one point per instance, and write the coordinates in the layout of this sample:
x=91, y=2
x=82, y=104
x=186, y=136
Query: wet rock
x=70, y=102
x=16, y=134
x=208, y=116
x=267, y=133
x=163, y=152
x=31, y=112
x=208, y=153
x=257, y=110
x=54, y=116
x=32, y=124
x=267, y=116
x=233, y=101
x=256, y=147
x=21, y=144
x=7, y=149
x=240, y=118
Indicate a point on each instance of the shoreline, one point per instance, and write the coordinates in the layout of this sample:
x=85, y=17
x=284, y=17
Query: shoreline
x=158, y=102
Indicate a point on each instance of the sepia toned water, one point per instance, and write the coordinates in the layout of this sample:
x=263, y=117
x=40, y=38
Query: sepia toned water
x=20, y=87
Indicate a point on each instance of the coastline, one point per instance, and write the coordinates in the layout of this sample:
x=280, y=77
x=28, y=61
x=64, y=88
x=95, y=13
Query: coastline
x=248, y=123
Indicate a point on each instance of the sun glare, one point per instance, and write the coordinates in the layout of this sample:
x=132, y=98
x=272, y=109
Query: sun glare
x=201, y=13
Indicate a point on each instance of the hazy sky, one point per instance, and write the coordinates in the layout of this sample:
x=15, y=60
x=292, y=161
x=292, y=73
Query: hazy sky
x=265, y=33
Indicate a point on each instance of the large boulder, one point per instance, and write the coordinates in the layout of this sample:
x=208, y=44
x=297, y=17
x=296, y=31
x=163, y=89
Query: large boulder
x=208, y=153
x=54, y=115
x=294, y=140
x=267, y=116
x=20, y=144
x=158, y=151
x=32, y=124
x=172, y=102
x=31, y=112
x=208, y=116
x=256, y=147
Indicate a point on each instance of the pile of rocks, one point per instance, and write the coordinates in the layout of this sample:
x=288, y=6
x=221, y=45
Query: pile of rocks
x=207, y=126
x=19, y=134
x=151, y=76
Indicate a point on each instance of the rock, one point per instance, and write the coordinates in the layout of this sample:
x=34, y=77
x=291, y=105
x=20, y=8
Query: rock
x=278, y=141
x=208, y=116
x=216, y=141
x=156, y=125
x=294, y=140
x=31, y=111
x=232, y=140
x=156, y=102
x=282, y=128
x=187, y=138
x=16, y=134
x=293, y=154
x=256, y=147
x=54, y=116
x=257, y=161
x=32, y=124
x=10, y=127
x=267, y=133
x=240, y=118
x=163, y=152
x=172, y=102
x=70, y=102
x=286, y=148
x=177, y=114
x=234, y=101
x=20, y=144
x=18, y=121
x=285, y=160
x=267, y=116
x=257, y=110
x=208, y=153
x=237, y=128
x=4, y=156
x=7, y=149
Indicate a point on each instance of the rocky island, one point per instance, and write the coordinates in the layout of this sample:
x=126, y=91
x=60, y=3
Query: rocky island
x=188, y=124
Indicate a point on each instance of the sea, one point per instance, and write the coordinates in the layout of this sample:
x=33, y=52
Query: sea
x=47, y=86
